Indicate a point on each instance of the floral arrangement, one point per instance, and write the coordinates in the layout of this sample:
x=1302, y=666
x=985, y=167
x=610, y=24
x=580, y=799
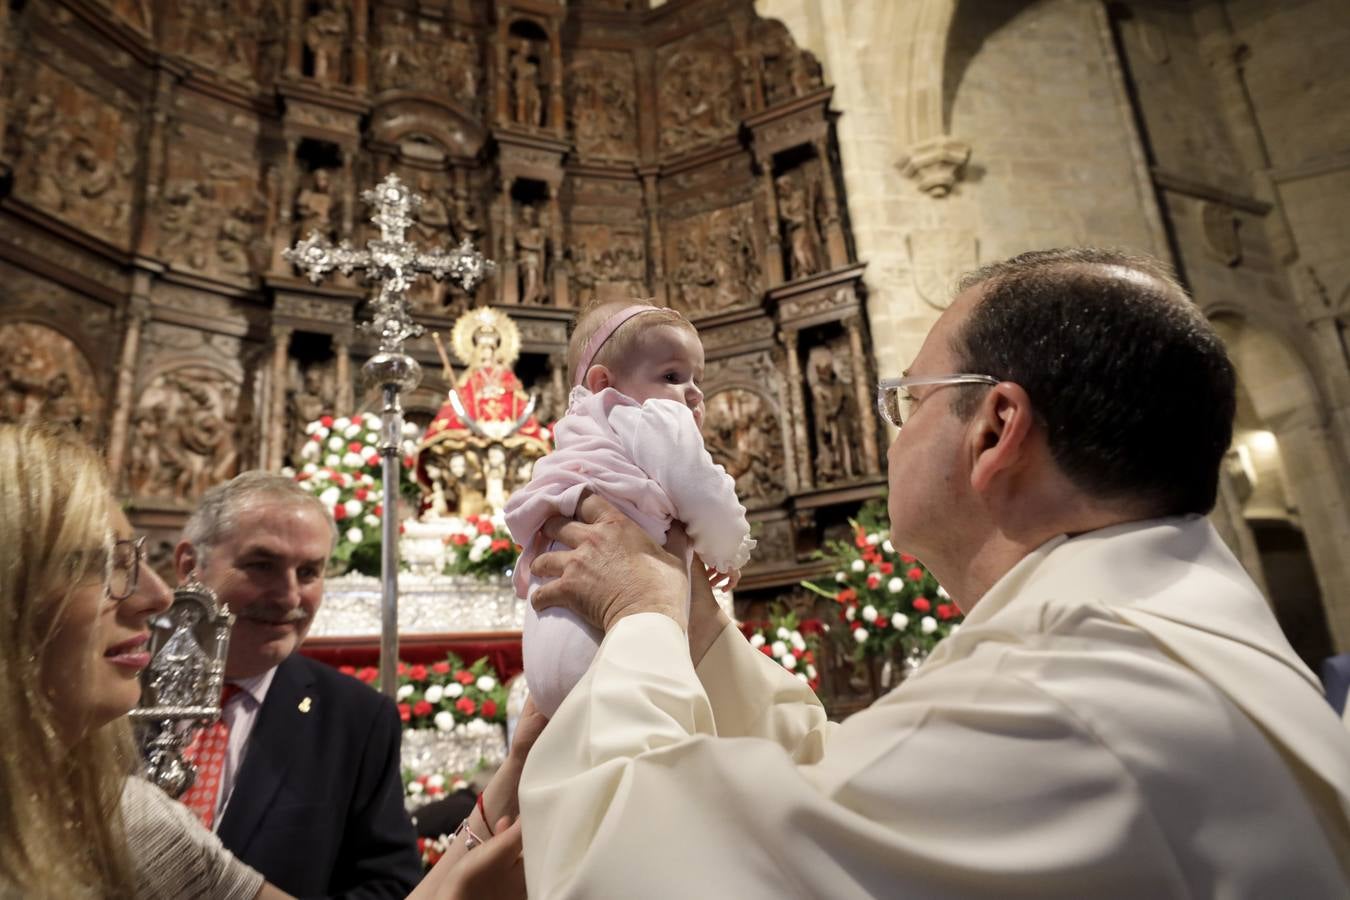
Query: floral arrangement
x=432, y=849
x=341, y=466
x=446, y=695
x=429, y=786
x=783, y=642
x=480, y=546
x=888, y=601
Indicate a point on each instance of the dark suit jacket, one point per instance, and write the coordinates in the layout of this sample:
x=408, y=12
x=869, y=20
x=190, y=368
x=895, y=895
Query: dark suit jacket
x=318, y=804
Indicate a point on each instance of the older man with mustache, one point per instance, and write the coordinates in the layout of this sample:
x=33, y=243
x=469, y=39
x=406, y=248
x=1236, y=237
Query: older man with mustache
x=300, y=778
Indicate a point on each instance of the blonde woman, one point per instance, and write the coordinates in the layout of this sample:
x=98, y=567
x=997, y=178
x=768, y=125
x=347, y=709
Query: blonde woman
x=75, y=601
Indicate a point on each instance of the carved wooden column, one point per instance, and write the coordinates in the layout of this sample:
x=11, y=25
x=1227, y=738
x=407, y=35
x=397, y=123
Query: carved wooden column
x=276, y=418
x=557, y=121
x=553, y=259
x=360, y=46
x=502, y=77
x=836, y=250
x=344, y=401
x=862, y=387
x=136, y=316
x=286, y=208
x=295, y=46
x=773, y=241
x=510, y=285
x=656, y=257
x=156, y=154
x=348, y=193
x=805, y=477
x=789, y=416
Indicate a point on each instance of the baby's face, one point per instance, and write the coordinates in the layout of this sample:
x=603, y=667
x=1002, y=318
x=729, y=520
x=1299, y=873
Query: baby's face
x=666, y=363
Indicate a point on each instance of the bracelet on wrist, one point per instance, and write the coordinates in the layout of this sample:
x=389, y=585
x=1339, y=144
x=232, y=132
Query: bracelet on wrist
x=466, y=832
x=482, y=811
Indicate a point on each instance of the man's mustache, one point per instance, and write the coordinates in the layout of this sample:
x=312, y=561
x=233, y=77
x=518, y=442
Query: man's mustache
x=274, y=615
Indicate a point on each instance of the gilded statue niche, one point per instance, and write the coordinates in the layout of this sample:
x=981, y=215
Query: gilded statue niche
x=743, y=434
x=185, y=432
x=45, y=377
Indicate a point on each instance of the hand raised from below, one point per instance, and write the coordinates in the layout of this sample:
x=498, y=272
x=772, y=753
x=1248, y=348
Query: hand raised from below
x=613, y=569
x=494, y=871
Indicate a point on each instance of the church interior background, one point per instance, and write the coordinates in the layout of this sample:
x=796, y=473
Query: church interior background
x=803, y=178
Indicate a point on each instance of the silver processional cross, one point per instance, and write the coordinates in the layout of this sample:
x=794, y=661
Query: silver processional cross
x=394, y=264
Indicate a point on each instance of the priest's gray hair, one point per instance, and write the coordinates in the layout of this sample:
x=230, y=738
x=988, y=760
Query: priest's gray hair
x=215, y=516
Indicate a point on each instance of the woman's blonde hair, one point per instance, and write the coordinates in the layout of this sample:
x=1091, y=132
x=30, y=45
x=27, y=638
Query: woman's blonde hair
x=620, y=344
x=61, y=832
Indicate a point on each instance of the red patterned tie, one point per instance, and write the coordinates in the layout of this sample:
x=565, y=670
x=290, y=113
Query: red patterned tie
x=207, y=752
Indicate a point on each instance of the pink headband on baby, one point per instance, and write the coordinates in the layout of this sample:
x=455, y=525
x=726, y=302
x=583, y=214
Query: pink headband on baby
x=602, y=334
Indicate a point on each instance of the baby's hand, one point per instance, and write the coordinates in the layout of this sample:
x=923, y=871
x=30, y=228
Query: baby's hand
x=725, y=581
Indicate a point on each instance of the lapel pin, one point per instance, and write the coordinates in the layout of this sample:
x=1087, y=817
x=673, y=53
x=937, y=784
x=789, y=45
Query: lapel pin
x=304, y=705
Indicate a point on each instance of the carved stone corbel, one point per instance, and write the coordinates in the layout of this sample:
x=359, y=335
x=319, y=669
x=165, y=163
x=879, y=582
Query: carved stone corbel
x=936, y=164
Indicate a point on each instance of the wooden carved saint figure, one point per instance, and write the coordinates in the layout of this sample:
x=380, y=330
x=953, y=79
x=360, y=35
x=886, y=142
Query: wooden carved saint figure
x=326, y=36
x=531, y=247
x=527, y=106
x=794, y=209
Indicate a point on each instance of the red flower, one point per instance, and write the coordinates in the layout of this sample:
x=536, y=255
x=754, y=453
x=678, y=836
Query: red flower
x=408, y=462
x=499, y=544
x=404, y=712
x=402, y=668
x=303, y=476
x=361, y=494
x=326, y=421
x=764, y=648
x=886, y=568
x=379, y=509
x=372, y=460
x=860, y=541
x=908, y=559
x=368, y=674
x=945, y=610
x=339, y=479
x=874, y=581
x=809, y=657
x=464, y=676
x=339, y=512
x=422, y=708
x=871, y=557
x=485, y=527
x=441, y=668
x=316, y=437
x=355, y=446
x=847, y=595
x=797, y=653
x=466, y=706
x=922, y=604
x=347, y=670
x=459, y=540
x=418, y=673
x=914, y=574
x=489, y=708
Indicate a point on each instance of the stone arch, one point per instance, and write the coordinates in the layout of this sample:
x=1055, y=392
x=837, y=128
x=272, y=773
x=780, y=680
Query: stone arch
x=1285, y=398
x=47, y=372
x=745, y=451
x=401, y=115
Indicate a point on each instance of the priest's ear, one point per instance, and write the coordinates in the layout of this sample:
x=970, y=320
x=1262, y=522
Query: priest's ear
x=598, y=378
x=184, y=560
x=998, y=439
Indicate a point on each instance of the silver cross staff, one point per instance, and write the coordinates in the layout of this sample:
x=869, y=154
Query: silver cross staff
x=394, y=264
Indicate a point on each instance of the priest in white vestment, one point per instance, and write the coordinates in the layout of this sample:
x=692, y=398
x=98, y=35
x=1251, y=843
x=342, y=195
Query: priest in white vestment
x=1119, y=716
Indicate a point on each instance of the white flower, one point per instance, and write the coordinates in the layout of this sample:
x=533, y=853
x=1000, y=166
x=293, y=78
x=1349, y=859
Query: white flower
x=310, y=450
x=353, y=507
x=942, y=592
x=954, y=629
x=483, y=540
x=454, y=689
x=798, y=642
x=405, y=691
x=778, y=648
x=434, y=693
x=321, y=474
x=840, y=577
x=783, y=633
x=928, y=624
x=436, y=781
x=789, y=662
x=444, y=721
x=415, y=788
x=895, y=585
x=803, y=677
x=410, y=429
x=355, y=535
x=486, y=683
x=869, y=613
x=860, y=635
x=309, y=468
x=899, y=621
x=370, y=420
x=756, y=640
x=858, y=565
x=352, y=460
x=332, y=460
x=459, y=784
x=336, y=443
x=341, y=424
x=371, y=520
x=888, y=546
x=313, y=426
x=476, y=553
x=330, y=496
x=873, y=539
x=850, y=612
x=451, y=556
x=810, y=671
